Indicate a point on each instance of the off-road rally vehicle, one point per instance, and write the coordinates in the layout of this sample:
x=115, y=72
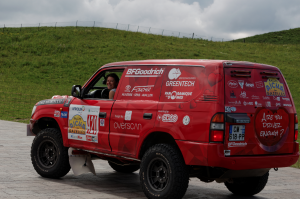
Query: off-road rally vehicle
x=224, y=121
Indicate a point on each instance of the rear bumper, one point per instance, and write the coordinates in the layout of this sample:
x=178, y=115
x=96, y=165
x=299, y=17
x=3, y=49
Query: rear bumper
x=210, y=154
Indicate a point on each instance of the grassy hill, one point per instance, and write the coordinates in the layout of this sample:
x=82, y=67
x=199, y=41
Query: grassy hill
x=36, y=64
x=291, y=36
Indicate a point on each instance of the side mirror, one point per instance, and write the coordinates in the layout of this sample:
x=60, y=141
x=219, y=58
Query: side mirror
x=76, y=91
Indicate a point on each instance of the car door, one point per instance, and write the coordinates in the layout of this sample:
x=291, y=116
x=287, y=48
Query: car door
x=135, y=108
x=89, y=117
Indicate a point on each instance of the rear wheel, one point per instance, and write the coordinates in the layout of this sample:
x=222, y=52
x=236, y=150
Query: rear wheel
x=248, y=186
x=125, y=168
x=48, y=155
x=163, y=173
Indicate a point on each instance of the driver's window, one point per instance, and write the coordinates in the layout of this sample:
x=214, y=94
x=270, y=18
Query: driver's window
x=98, y=88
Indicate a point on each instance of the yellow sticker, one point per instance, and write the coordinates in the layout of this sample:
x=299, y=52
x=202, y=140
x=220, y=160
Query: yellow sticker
x=274, y=88
x=77, y=123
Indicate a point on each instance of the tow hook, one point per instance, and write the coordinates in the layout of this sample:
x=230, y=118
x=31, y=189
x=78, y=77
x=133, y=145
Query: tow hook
x=276, y=169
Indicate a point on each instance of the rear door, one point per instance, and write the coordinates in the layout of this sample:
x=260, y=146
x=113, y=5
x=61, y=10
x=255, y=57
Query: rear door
x=259, y=112
x=134, y=111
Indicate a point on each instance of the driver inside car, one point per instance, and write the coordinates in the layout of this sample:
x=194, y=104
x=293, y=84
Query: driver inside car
x=112, y=81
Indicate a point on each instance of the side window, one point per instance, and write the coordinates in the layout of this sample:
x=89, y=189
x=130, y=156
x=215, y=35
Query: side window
x=181, y=84
x=141, y=83
x=98, y=88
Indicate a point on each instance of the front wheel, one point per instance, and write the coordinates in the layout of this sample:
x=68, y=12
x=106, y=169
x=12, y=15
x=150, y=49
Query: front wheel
x=48, y=155
x=248, y=186
x=163, y=173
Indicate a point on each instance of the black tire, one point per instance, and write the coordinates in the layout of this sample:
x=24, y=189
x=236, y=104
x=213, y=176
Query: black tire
x=163, y=173
x=248, y=186
x=124, y=169
x=48, y=155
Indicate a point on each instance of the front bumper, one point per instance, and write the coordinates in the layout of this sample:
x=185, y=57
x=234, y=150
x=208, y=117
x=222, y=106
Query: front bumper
x=211, y=154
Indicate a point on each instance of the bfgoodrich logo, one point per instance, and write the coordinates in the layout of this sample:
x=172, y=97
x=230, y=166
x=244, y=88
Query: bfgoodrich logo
x=174, y=73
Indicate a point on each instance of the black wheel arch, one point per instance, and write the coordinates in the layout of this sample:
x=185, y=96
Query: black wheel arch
x=43, y=123
x=154, y=138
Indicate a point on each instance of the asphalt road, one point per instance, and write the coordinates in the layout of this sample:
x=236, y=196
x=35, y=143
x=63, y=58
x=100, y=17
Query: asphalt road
x=18, y=179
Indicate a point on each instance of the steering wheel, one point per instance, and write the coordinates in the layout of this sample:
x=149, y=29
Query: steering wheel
x=105, y=93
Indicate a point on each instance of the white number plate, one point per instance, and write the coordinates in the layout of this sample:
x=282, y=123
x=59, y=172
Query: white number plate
x=237, y=133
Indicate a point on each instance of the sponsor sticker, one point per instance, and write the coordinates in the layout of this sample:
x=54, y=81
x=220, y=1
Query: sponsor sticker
x=237, y=144
x=241, y=83
x=233, y=109
x=102, y=122
x=77, y=137
x=142, y=89
x=236, y=103
x=255, y=97
x=92, y=124
x=127, y=125
x=274, y=88
x=227, y=109
x=259, y=84
x=227, y=152
x=249, y=85
x=266, y=98
x=232, y=95
x=287, y=105
x=128, y=115
x=257, y=104
x=56, y=113
x=137, y=72
x=64, y=114
x=169, y=118
x=174, y=73
x=83, y=120
x=278, y=104
x=180, y=83
x=232, y=84
x=126, y=94
x=268, y=104
x=248, y=103
x=77, y=122
x=51, y=101
x=286, y=99
x=127, y=88
x=177, y=95
x=186, y=120
x=91, y=138
x=276, y=98
x=243, y=95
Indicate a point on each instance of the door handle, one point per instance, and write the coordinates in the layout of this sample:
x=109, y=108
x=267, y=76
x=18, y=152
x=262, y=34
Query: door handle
x=147, y=116
x=102, y=115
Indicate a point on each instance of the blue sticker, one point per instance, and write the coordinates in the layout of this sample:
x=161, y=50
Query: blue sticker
x=64, y=114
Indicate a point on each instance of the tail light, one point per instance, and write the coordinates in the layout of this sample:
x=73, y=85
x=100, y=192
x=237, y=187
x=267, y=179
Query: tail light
x=296, y=127
x=217, y=128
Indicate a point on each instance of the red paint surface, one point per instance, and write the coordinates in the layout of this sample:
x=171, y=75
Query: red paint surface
x=182, y=101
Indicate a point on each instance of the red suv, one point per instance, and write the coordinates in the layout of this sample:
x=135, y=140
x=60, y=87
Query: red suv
x=226, y=121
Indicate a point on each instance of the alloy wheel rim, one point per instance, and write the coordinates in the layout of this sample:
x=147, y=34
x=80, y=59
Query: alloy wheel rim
x=158, y=174
x=47, y=153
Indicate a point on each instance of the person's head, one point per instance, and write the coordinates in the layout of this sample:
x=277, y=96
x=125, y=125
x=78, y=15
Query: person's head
x=112, y=81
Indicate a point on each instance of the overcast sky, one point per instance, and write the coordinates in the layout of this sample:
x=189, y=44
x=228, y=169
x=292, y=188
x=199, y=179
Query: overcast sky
x=228, y=19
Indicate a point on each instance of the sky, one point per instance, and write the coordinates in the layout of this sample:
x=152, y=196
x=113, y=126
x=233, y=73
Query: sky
x=228, y=19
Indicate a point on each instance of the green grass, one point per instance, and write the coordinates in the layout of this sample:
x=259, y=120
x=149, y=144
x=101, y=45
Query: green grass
x=291, y=36
x=36, y=64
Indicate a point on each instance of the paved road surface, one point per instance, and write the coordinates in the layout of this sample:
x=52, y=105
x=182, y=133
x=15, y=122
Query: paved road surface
x=18, y=179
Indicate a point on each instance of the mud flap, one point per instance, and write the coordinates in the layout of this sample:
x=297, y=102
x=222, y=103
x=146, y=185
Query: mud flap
x=81, y=162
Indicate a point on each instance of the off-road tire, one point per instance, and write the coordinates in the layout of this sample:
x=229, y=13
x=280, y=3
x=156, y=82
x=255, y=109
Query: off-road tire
x=124, y=169
x=48, y=155
x=248, y=186
x=163, y=173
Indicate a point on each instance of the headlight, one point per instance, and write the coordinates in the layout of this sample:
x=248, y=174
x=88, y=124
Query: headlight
x=33, y=110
